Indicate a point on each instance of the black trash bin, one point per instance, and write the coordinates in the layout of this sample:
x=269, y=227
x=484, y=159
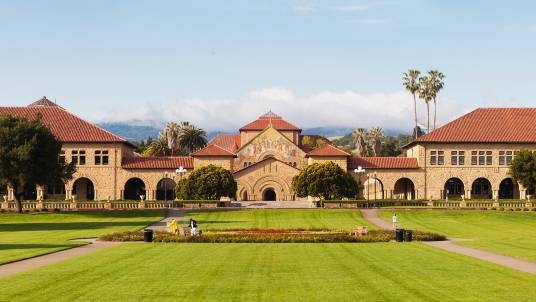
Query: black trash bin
x=408, y=235
x=399, y=235
x=148, y=235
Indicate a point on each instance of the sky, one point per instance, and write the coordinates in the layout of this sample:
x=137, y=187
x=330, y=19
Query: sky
x=220, y=64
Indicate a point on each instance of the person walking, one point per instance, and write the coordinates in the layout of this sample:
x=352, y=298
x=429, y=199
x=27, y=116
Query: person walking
x=193, y=227
x=395, y=221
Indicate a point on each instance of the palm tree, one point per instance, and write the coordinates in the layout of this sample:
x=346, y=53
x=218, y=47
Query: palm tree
x=436, y=84
x=375, y=135
x=411, y=82
x=360, y=135
x=158, y=147
x=172, y=134
x=191, y=138
x=426, y=94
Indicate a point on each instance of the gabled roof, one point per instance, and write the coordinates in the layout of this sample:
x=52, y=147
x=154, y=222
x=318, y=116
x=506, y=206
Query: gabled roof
x=327, y=150
x=267, y=119
x=383, y=163
x=167, y=162
x=487, y=125
x=67, y=127
x=229, y=142
x=213, y=150
x=263, y=160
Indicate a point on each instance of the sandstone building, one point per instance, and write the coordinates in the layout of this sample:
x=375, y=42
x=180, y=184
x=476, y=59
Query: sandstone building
x=467, y=157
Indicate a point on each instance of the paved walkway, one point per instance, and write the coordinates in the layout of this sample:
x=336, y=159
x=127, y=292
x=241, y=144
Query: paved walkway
x=296, y=204
x=39, y=261
x=24, y=265
x=176, y=214
x=510, y=262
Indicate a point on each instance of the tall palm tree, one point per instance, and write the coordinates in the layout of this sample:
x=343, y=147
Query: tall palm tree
x=158, y=147
x=375, y=135
x=411, y=83
x=360, y=136
x=172, y=135
x=426, y=94
x=436, y=84
x=191, y=138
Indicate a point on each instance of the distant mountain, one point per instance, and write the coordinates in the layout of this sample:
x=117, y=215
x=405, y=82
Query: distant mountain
x=136, y=133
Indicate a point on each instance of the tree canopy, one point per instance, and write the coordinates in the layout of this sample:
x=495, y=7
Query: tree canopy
x=207, y=183
x=29, y=154
x=326, y=180
x=523, y=169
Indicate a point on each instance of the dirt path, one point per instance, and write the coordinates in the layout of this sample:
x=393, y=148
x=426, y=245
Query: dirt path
x=39, y=261
x=522, y=265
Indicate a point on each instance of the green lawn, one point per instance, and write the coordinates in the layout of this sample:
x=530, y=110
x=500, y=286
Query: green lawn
x=270, y=272
x=25, y=235
x=508, y=233
x=277, y=219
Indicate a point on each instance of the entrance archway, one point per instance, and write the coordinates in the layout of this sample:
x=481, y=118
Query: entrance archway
x=404, y=189
x=83, y=189
x=134, y=188
x=165, y=189
x=30, y=191
x=454, y=188
x=269, y=195
x=373, y=189
x=481, y=189
x=508, y=189
x=245, y=195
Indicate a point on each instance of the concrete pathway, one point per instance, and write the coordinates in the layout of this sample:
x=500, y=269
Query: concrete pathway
x=275, y=204
x=522, y=265
x=39, y=261
x=27, y=264
x=176, y=214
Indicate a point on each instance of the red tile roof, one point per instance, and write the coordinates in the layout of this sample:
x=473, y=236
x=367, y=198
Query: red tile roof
x=213, y=150
x=489, y=125
x=327, y=150
x=383, y=163
x=265, y=120
x=168, y=162
x=67, y=127
x=229, y=142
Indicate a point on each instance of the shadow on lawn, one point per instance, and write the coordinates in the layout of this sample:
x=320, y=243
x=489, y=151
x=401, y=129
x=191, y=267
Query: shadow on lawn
x=58, y=226
x=24, y=246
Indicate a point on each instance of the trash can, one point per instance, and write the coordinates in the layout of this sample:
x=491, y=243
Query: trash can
x=399, y=235
x=148, y=235
x=408, y=235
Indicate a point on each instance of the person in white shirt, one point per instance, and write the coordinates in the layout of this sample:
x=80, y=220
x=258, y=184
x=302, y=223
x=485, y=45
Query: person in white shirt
x=193, y=227
x=395, y=221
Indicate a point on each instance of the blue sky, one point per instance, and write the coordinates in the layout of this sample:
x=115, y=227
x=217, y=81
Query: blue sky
x=222, y=63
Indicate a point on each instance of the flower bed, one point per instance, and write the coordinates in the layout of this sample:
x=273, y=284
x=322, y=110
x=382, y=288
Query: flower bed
x=272, y=236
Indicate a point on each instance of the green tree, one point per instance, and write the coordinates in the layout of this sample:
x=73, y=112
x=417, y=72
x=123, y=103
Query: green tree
x=29, y=153
x=375, y=137
x=426, y=94
x=207, y=183
x=191, y=138
x=436, y=84
x=411, y=83
x=158, y=147
x=326, y=180
x=360, y=136
x=172, y=135
x=523, y=169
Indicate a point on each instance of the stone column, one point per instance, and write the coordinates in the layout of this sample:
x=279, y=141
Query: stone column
x=523, y=194
x=495, y=194
x=467, y=194
x=10, y=193
x=40, y=189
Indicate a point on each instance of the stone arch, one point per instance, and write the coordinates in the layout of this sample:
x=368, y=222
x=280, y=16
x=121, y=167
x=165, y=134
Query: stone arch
x=244, y=190
x=509, y=189
x=134, y=189
x=373, y=189
x=277, y=184
x=83, y=188
x=29, y=191
x=269, y=194
x=454, y=188
x=165, y=189
x=481, y=189
x=404, y=188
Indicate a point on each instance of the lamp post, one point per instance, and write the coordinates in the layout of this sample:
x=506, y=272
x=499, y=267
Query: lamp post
x=359, y=171
x=181, y=171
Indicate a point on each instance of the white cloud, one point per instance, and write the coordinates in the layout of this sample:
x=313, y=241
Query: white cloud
x=327, y=108
x=351, y=8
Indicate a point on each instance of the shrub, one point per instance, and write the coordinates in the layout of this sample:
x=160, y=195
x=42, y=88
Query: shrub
x=325, y=180
x=208, y=182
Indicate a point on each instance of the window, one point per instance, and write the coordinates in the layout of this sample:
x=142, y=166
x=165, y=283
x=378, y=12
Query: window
x=78, y=157
x=482, y=158
x=505, y=158
x=62, y=156
x=101, y=157
x=437, y=158
x=457, y=158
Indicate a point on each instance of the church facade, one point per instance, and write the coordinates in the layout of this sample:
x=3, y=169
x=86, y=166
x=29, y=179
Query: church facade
x=468, y=157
